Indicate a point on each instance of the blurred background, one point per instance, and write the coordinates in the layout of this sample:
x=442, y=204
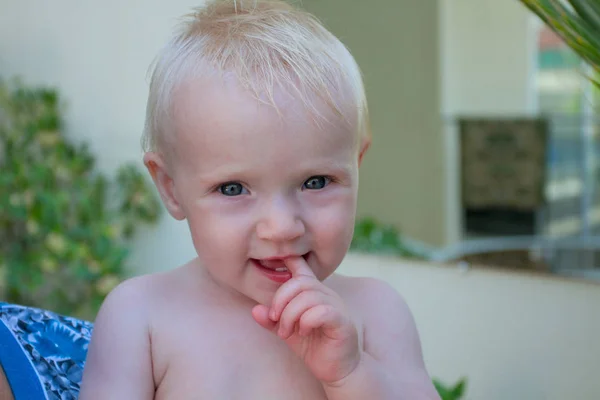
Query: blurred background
x=479, y=198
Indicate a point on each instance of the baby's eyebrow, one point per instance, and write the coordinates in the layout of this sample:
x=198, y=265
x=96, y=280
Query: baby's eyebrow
x=232, y=172
x=224, y=173
x=332, y=168
x=341, y=173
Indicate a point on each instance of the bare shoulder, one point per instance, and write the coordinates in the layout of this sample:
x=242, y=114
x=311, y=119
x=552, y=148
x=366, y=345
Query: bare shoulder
x=390, y=331
x=144, y=293
x=373, y=297
x=132, y=293
x=131, y=300
x=119, y=360
x=382, y=310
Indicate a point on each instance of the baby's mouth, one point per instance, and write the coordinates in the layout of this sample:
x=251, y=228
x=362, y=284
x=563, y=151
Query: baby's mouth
x=277, y=265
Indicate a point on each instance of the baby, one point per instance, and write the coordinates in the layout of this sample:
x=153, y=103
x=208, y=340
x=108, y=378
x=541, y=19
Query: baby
x=256, y=126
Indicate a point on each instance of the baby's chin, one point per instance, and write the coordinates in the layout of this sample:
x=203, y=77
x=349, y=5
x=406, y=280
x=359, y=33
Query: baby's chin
x=263, y=294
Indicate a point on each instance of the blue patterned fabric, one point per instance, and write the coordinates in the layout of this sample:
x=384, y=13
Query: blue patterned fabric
x=42, y=353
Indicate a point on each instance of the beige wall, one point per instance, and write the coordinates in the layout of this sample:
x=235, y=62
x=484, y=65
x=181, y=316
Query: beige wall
x=396, y=44
x=514, y=336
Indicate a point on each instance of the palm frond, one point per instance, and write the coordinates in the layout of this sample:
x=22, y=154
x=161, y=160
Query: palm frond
x=577, y=22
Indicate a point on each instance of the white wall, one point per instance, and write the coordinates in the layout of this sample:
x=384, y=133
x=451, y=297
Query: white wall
x=396, y=45
x=97, y=54
x=514, y=336
x=488, y=56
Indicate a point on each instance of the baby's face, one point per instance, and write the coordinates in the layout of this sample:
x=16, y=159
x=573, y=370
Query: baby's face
x=257, y=186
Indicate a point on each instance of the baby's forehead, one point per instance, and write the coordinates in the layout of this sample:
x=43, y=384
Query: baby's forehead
x=220, y=119
x=224, y=100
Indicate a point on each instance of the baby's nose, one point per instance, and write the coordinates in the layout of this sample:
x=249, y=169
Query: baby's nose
x=280, y=222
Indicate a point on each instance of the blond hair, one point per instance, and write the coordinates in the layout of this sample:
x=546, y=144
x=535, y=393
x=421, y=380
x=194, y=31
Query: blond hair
x=265, y=44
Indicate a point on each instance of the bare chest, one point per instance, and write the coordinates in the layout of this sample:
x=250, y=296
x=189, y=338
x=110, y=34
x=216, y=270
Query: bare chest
x=230, y=362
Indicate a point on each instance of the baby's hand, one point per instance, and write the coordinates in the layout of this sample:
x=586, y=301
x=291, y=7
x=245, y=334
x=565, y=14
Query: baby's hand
x=314, y=322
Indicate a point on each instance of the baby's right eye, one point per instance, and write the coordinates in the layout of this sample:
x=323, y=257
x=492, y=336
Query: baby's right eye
x=232, y=189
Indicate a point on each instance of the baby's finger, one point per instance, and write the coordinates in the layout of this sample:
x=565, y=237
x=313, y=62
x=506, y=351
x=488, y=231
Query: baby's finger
x=261, y=316
x=288, y=291
x=323, y=316
x=299, y=267
x=298, y=306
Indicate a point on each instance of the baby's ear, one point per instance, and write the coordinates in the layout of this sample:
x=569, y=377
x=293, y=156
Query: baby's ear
x=365, y=143
x=164, y=183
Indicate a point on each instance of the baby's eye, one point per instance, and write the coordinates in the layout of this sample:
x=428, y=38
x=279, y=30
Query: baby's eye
x=316, y=182
x=231, y=189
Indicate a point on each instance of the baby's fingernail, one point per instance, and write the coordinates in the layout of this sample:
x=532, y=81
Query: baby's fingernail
x=272, y=315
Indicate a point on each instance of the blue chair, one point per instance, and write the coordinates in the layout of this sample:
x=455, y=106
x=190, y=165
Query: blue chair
x=42, y=353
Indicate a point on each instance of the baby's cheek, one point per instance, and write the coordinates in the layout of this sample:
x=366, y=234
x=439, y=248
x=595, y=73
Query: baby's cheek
x=218, y=233
x=334, y=230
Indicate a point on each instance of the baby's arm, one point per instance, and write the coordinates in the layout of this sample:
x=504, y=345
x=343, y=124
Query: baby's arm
x=119, y=363
x=392, y=365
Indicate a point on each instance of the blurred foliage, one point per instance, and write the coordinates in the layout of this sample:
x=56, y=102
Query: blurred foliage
x=455, y=392
x=64, y=225
x=577, y=22
x=372, y=236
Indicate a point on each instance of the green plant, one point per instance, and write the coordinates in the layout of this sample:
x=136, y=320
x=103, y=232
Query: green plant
x=577, y=22
x=454, y=392
x=371, y=236
x=64, y=226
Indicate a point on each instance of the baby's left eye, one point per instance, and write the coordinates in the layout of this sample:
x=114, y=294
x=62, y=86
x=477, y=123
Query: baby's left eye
x=316, y=182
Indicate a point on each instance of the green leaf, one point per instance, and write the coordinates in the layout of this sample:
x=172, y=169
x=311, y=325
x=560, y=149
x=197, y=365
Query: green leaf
x=459, y=389
x=588, y=11
x=455, y=392
x=58, y=215
x=578, y=24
